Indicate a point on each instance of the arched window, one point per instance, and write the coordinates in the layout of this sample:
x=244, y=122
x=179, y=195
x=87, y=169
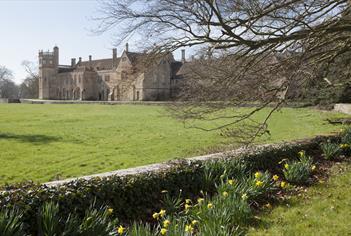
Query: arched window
x=124, y=75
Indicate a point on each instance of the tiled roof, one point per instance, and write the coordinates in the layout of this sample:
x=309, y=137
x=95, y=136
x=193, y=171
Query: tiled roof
x=102, y=64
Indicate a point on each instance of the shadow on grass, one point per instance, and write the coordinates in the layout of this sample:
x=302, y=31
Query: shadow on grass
x=30, y=138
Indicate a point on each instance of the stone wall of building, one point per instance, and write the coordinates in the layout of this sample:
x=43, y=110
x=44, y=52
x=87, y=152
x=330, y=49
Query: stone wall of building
x=115, y=79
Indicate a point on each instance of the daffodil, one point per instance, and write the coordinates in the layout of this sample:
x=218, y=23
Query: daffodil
x=268, y=205
x=313, y=168
x=286, y=166
x=164, y=191
x=225, y=194
x=200, y=200
x=231, y=182
x=194, y=222
x=156, y=215
x=189, y=228
x=166, y=223
x=283, y=184
x=162, y=213
x=344, y=146
x=258, y=175
x=259, y=183
x=244, y=197
x=163, y=231
x=109, y=211
x=275, y=177
x=301, y=153
x=187, y=207
x=188, y=201
x=121, y=230
x=210, y=206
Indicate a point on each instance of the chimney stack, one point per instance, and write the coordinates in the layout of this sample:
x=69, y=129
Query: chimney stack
x=80, y=60
x=90, y=62
x=73, y=62
x=114, y=57
x=127, y=47
x=56, y=56
x=183, y=55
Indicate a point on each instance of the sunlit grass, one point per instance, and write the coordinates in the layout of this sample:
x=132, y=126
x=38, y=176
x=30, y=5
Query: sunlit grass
x=323, y=210
x=46, y=142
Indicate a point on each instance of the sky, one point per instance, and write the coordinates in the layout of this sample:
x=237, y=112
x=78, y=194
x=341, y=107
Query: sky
x=27, y=26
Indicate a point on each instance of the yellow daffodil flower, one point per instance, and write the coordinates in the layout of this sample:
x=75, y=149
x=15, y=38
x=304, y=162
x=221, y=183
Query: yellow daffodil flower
x=244, y=197
x=121, y=230
x=187, y=207
x=166, y=223
x=313, y=168
x=301, y=153
x=109, y=211
x=200, y=200
x=283, y=184
x=258, y=175
x=259, y=183
x=286, y=166
x=162, y=213
x=225, y=194
x=189, y=228
x=210, y=206
x=275, y=177
x=230, y=181
x=194, y=222
x=156, y=215
x=188, y=201
x=163, y=231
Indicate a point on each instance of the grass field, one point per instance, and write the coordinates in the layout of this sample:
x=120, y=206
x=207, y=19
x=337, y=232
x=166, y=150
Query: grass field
x=323, y=210
x=47, y=142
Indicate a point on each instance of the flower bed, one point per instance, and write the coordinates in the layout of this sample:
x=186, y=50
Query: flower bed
x=137, y=197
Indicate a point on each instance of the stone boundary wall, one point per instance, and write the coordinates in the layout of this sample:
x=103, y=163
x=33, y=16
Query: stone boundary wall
x=343, y=108
x=254, y=150
x=9, y=100
x=39, y=101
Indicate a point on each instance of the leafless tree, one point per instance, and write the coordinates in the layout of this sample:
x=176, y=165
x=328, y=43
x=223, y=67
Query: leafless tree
x=29, y=88
x=256, y=50
x=8, y=89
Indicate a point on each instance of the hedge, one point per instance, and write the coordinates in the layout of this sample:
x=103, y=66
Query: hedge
x=135, y=197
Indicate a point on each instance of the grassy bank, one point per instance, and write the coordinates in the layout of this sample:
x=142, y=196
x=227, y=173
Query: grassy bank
x=323, y=210
x=47, y=142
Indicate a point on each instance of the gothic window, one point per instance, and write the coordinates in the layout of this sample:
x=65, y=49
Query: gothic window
x=44, y=62
x=80, y=78
x=124, y=75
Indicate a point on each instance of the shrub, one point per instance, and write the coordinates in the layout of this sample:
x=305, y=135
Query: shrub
x=299, y=172
x=330, y=150
x=346, y=135
x=135, y=197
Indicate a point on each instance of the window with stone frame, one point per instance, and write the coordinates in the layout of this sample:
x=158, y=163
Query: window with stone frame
x=124, y=75
x=107, y=78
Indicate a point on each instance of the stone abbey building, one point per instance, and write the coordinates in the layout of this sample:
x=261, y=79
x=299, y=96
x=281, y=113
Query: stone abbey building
x=113, y=79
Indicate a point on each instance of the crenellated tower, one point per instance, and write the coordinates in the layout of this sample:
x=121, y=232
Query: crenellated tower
x=48, y=69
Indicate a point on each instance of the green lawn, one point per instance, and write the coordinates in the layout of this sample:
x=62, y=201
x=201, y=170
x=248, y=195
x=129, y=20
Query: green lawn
x=46, y=142
x=323, y=210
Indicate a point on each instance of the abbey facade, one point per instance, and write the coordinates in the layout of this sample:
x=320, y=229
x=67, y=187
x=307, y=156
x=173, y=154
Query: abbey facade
x=114, y=79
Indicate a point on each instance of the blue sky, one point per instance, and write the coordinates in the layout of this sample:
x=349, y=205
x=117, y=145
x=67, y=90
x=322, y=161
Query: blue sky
x=28, y=26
